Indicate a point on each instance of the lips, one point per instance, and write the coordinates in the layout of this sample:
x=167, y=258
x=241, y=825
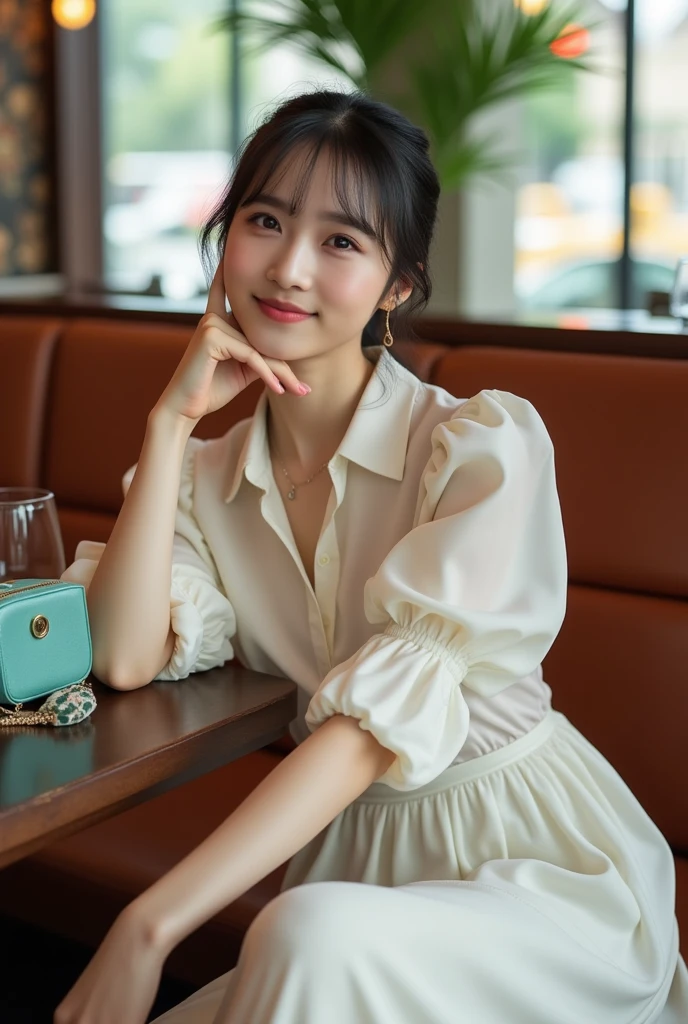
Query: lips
x=283, y=312
x=288, y=307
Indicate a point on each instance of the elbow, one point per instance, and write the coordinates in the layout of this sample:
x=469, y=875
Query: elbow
x=120, y=677
x=127, y=675
x=125, y=682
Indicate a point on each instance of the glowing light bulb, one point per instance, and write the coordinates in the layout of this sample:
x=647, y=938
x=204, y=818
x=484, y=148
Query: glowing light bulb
x=531, y=6
x=73, y=13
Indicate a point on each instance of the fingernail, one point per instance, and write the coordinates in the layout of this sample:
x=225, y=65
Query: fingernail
x=304, y=389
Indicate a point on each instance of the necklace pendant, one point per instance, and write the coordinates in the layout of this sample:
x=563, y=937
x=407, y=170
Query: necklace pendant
x=291, y=494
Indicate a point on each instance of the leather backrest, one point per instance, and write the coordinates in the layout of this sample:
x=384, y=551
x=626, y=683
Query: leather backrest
x=26, y=350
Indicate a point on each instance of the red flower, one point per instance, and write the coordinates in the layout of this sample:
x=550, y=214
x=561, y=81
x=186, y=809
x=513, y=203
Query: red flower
x=573, y=41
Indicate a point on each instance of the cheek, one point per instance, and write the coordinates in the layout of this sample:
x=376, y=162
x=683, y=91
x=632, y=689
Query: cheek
x=238, y=271
x=352, y=287
x=236, y=264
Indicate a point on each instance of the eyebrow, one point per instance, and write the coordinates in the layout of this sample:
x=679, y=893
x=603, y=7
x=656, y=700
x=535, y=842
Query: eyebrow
x=338, y=216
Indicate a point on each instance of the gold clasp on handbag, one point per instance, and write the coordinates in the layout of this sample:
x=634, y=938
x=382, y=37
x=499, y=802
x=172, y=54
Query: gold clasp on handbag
x=40, y=626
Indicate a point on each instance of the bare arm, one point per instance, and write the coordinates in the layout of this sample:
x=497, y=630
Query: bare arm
x=302, y=795
x=129, y=595
x=295, y=802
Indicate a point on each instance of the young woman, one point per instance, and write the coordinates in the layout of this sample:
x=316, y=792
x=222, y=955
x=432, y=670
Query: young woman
x=399, y=553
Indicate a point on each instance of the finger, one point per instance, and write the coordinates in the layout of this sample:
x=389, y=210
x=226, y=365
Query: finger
x=279, y=372
x=216, y=294
x=282, y=370
x=285, y=373
x=225, y=345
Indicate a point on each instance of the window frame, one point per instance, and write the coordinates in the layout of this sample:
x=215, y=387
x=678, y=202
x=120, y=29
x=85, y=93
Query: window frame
x=79, y=161
x=79, y=164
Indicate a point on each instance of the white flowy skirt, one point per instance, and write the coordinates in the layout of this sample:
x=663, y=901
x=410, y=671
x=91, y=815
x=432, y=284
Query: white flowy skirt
x=526, y=886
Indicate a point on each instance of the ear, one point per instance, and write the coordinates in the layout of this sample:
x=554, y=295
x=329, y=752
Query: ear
x=397, y=294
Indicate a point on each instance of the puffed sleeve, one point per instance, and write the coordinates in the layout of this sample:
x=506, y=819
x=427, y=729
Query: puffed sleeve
x=473, y=596
x=201, y=616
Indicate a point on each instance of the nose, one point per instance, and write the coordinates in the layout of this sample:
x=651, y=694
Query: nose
x=292, y=265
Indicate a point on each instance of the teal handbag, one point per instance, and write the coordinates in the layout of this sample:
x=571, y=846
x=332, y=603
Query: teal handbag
x=45, y=646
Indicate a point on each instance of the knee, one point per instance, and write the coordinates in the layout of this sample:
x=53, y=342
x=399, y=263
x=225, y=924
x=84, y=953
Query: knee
x=318, y=920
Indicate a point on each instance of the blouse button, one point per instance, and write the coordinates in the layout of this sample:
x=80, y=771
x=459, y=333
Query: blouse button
x=324, y=560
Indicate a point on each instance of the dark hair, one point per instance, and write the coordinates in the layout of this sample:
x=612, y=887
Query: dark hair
x=374, y=149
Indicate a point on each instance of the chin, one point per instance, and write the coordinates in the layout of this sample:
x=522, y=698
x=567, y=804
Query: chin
x=278, y=342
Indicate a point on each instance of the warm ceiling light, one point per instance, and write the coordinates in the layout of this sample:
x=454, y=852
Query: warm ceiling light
x=73, y=13
x=531, y=6
x=573, y=41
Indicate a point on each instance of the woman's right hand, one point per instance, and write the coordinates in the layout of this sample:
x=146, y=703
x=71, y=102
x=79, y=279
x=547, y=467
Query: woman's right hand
x=219, y=363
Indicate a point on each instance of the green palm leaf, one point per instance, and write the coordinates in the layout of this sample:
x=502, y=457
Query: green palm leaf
x=366, y=33
x=474, y=61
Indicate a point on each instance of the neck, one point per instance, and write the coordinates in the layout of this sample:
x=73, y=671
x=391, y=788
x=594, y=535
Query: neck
x=307, y=431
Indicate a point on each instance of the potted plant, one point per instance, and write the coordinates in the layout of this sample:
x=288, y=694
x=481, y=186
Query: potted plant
x=470, y=59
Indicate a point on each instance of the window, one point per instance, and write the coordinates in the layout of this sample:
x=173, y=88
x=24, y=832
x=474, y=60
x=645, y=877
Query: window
x=166, y=130
x=659, y=196
x=573, y=243
x=569, y=213
x=168, y=133
x=591, y=227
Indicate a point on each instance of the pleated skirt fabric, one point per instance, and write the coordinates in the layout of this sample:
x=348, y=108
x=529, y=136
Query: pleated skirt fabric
x=526, y=886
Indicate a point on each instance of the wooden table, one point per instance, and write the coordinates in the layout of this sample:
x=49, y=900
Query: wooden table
x=135, y=745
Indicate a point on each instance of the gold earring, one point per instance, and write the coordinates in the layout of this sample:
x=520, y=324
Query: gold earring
x=388, y=334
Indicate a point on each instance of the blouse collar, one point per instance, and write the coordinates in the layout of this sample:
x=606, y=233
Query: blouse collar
x=376, y=438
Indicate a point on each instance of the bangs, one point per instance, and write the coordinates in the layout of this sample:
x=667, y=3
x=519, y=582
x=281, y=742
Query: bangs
x=357, y=183
x=382, y=180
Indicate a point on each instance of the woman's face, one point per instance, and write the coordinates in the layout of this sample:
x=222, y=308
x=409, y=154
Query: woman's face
x=315, y=260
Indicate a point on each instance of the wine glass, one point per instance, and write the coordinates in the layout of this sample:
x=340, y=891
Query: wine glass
x=30, y=539
x=679, y=293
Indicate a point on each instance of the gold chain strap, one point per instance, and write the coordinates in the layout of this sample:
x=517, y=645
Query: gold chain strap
x=19, y=717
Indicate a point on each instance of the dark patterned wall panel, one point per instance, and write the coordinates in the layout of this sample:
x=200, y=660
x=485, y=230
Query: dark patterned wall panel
x=27, y=209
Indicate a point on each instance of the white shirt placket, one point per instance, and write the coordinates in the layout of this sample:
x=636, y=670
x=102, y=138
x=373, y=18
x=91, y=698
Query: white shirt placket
x=327, y=566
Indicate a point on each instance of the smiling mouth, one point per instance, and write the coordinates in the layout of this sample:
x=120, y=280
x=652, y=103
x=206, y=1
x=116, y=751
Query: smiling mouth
x=288, y=307
x=281, y=314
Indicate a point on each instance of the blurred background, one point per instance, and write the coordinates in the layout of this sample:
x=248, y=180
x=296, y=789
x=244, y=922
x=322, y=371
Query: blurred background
x=119, y=122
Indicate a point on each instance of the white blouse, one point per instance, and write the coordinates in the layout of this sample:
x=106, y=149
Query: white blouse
x=440, y=571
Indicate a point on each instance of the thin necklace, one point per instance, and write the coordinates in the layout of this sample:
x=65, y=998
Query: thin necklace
x=291, y=494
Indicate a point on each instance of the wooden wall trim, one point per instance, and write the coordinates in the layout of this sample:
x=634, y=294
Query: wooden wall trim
x=453, y=332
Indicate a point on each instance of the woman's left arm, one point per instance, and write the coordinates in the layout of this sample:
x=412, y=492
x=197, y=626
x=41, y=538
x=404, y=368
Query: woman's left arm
x=299, y=798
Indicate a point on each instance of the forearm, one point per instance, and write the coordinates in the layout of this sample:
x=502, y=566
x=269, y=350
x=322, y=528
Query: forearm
x=129, y=596
x=302, y=795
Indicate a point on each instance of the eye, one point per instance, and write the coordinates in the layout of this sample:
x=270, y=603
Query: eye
x=267, y=217
x=350, y=245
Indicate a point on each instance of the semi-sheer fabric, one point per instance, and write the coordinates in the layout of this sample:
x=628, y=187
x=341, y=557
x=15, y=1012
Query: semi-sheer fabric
x=500, y=869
